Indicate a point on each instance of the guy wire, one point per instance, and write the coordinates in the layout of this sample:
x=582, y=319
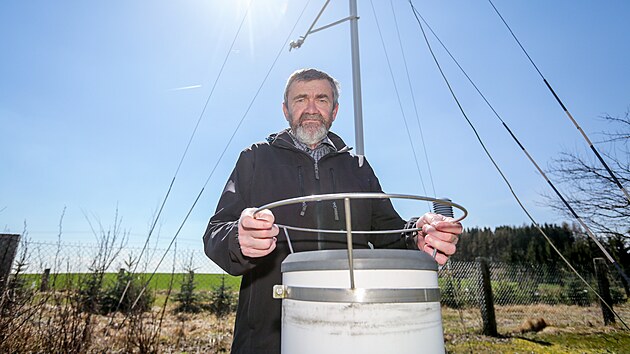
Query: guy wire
x=531, y=159
x=251, y=103
x=566, y=111
x=413, y=98
x=391, y=73
x=192, y=135
x=501, y=172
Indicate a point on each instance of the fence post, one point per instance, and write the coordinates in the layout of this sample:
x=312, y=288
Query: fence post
x=601, y=272
x=8, y=248
x=486, y=302
x=626, y=286
x=43, y=286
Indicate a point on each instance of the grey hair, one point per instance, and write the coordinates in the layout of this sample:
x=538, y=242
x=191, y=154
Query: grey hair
x=310, y=75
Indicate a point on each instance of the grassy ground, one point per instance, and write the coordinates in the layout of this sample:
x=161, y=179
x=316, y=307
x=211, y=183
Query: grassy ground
x=203, y=331
x=159, y=281
x=569, y=329
x=548, y=342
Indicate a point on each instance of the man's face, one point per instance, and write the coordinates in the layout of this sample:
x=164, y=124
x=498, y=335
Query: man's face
x=310, y=110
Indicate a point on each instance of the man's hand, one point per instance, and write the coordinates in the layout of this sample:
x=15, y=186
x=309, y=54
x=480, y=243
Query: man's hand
x=257, y=233
x=438, y=233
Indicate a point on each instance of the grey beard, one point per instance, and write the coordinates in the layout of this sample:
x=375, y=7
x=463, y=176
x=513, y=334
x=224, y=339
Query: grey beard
x=310, y=137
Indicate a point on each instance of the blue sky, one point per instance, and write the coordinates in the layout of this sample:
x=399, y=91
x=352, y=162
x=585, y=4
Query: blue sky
x=98, y=101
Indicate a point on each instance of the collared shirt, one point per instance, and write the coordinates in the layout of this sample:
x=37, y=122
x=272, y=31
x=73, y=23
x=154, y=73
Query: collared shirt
x=325, y=146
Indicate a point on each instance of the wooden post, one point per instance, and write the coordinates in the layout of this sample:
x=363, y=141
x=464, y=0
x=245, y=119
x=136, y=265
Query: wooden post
x=43, y=286
x=601, y=272
x=624, y=282
x=8, y=249
x=486, y=301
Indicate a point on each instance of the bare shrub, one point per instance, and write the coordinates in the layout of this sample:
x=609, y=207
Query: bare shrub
x=143, y=332
x=17, y=306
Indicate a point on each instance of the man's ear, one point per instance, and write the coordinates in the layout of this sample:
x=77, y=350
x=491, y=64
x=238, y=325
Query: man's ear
x=285, y=110
x=334, y=112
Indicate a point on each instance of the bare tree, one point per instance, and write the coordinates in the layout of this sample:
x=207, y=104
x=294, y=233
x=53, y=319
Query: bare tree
x=588, y=187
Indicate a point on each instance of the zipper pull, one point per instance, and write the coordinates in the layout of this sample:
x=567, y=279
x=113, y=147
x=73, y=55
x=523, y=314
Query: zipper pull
x=334, y=204
x=316, y=171
x=303, y=209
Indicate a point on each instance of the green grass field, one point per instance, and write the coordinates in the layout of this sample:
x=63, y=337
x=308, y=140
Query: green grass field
x=159, y=281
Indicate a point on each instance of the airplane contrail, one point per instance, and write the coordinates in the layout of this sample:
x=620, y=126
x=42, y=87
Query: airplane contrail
x=185, y=88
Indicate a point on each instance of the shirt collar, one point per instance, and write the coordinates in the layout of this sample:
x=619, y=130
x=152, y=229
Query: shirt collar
x=300, y=145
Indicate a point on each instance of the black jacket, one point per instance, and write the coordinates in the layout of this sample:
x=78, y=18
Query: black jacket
x=275, y=170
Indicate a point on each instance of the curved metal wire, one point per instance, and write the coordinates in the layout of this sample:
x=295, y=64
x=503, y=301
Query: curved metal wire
x=372, y=195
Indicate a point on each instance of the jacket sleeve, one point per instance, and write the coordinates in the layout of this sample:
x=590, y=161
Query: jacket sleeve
x=221, y=236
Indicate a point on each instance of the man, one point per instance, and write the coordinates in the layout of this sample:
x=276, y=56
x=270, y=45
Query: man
x=303, y=160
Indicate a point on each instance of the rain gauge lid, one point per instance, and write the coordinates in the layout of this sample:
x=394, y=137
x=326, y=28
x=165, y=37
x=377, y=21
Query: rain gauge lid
x=363, y=259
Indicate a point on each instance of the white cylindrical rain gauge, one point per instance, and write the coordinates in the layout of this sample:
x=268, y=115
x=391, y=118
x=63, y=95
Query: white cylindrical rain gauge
x=393, y=308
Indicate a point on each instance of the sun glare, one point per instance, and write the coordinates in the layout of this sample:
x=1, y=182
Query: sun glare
x=263, y=14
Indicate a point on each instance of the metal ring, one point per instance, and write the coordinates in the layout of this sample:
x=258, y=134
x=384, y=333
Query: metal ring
x=372, y=195
x=359, y=295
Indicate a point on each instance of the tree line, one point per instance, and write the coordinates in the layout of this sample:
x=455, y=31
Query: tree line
x=525, y=244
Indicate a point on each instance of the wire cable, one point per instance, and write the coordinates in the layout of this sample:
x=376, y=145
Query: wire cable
x=566, y=111
x=402, y=111
x=416, y=14
x=531, y=159
x=413, y=99
x=181, y=161
x=251, y=103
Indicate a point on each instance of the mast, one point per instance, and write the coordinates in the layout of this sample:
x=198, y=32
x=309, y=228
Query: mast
x=356, y=69
x=356, y=79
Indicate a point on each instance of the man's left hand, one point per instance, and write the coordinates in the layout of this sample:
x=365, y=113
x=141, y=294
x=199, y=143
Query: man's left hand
x=439, y=233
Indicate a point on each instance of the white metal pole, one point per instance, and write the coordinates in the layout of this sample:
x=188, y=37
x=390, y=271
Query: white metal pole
x=356, y=79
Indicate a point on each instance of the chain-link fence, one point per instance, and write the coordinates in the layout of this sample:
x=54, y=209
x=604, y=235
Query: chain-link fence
x=82, y=258
x=519, y=292
x=523, y=294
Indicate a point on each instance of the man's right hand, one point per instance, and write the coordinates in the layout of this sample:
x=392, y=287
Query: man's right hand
x=257, y=233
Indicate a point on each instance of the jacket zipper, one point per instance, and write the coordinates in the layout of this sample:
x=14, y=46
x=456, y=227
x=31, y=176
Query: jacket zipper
x=316, y=170
x=301, y=183
x=334, y=190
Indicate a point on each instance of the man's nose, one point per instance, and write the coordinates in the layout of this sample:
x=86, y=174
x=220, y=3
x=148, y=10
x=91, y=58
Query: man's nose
x=311, y=107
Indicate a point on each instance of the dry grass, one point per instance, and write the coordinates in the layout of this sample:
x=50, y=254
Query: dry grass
x=205, y=333
x=509, y=318
x=569, y=329
x=178, y=333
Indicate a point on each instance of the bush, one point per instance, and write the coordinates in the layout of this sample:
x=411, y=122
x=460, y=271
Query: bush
x=187, y=300
x=449, y=296
x=96, y=296
x=222, y=299
x=618, y=295
x=511, y=293
x=551, y=294
x=89, y=296
x=113, y=292
x=579, y=294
